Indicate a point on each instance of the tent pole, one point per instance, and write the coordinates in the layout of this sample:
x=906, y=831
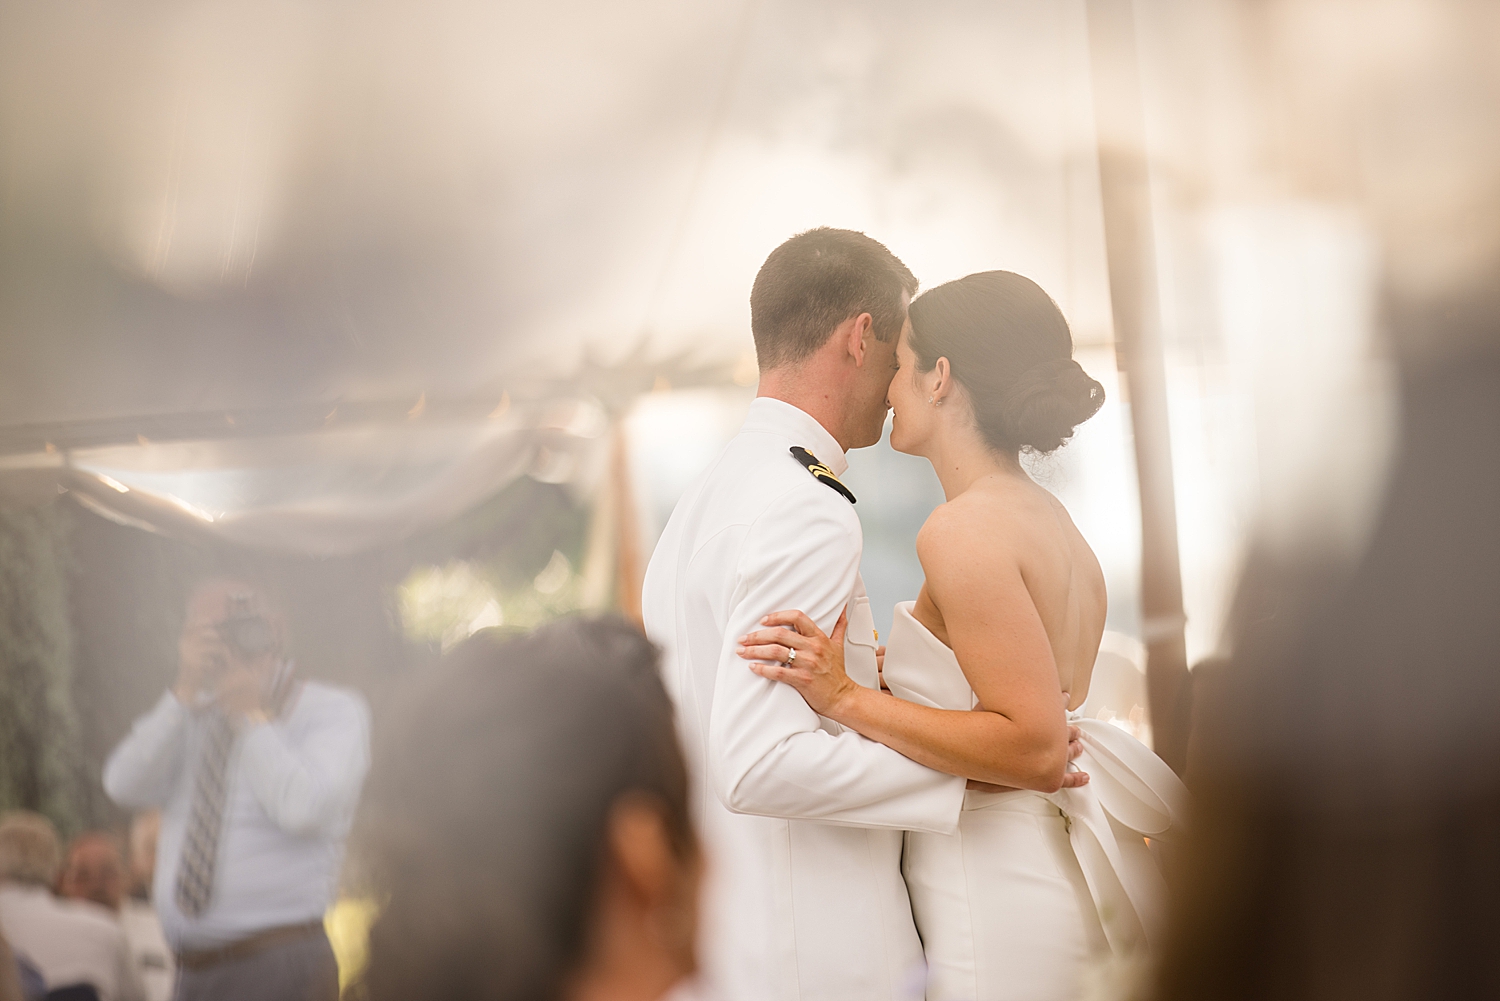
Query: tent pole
x=1124, y=180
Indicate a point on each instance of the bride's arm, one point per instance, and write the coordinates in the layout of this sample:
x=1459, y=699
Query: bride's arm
x=1017, y=735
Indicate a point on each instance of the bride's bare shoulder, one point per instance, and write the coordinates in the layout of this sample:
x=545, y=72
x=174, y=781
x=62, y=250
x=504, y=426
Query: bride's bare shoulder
x=977, y=525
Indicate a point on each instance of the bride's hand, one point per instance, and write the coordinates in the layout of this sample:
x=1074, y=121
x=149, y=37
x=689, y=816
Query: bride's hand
x=793, y=650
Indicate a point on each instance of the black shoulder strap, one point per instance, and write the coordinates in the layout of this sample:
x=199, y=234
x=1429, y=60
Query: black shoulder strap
x=820, y=472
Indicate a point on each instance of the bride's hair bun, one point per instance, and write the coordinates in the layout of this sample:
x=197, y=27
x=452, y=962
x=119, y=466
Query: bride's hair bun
x=1009, y=345
x=1046, y=403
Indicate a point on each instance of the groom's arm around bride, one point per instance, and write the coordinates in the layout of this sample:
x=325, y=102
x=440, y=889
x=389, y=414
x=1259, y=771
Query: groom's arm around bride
x=772, y=755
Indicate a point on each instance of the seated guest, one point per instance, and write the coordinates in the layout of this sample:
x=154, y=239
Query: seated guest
x=70, y=943
x=527, y=825
x=257, y=774
x=11, y=987
x=148, y=944
x=94, y=870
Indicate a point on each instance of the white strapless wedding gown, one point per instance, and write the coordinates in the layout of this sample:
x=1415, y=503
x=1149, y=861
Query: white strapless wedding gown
x=1032, y=885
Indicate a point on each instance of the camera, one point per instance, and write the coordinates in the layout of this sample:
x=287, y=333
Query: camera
x=245, y=631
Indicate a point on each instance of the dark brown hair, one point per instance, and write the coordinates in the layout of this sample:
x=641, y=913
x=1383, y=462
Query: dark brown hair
x=1009, y=346
x=817, y=280
x=487, y=808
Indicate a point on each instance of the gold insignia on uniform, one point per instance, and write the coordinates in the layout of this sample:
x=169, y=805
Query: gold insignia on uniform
x=821, y=472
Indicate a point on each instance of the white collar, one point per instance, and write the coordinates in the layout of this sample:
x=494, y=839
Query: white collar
x=780, y=417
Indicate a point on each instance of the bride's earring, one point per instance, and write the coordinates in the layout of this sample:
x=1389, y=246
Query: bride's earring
x=929, y=400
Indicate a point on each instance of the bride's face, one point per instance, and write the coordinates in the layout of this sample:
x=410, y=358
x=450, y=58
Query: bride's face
x=912, y=417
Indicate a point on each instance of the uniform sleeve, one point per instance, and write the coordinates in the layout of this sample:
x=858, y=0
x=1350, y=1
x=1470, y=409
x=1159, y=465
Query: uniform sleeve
x=140, y=772
x=311, y=785
x=767, y=753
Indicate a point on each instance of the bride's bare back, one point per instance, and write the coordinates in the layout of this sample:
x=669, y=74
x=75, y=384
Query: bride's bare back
x=1005, y=542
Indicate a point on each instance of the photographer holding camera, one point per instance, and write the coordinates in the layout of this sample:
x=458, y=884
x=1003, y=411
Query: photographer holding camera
x=257, y=774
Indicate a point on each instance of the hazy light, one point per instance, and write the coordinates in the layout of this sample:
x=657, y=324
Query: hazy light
x=192, y=509
x=557, y=572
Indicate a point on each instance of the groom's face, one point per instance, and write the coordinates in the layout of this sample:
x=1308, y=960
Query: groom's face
x=869, y=408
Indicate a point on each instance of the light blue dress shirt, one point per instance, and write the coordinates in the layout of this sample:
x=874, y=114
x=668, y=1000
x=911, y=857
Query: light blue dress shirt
x=293, y=787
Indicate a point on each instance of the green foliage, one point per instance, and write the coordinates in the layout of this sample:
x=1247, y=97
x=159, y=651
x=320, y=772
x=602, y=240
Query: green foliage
x=444, y=604
x=513, y=534
x=556, y=591
x=511, y=561
x=41, y=766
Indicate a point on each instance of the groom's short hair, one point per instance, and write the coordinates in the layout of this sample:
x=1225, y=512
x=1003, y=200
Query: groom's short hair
x=817, y=280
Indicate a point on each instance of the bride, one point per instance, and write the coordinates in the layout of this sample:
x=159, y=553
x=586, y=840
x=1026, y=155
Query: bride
x=1038, y=879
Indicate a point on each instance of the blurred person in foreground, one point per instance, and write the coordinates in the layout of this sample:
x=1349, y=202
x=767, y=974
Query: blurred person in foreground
x=71, y=943
x=527, y=826
x=257, y=774
x=1350, y=782
x=94, y=869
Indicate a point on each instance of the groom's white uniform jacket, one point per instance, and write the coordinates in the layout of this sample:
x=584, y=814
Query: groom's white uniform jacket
x=802, y=819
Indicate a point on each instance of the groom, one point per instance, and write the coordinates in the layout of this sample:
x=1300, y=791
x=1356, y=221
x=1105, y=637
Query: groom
x=802, y=818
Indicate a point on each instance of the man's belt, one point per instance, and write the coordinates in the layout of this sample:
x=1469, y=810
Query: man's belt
x=202, y=959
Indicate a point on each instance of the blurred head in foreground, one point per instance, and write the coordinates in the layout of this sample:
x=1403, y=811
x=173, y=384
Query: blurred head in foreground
x=527, y=824
x=94, y=869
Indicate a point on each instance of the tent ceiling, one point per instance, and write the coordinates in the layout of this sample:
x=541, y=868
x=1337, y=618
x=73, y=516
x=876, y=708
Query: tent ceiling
x=230, y=205
x=273, y=266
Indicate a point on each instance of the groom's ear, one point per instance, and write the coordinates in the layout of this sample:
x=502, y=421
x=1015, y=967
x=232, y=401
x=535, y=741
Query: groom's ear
x=858, y=332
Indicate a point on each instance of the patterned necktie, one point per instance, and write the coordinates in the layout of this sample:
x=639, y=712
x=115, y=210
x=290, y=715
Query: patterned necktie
x=200, y=844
